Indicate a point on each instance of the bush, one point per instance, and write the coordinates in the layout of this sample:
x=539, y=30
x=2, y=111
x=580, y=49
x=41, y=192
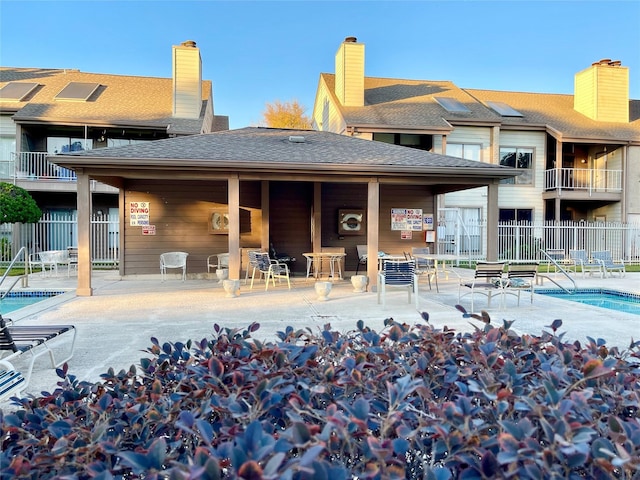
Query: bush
x=408, y=402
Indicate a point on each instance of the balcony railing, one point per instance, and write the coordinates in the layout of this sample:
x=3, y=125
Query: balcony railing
x=34, y=166
x=585, y=179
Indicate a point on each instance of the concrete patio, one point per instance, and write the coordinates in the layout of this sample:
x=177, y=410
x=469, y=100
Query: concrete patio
x=116, y=323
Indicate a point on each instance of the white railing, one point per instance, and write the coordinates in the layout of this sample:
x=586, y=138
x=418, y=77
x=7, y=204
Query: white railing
x=585, y=179
x=34, y=166
x=57, y=232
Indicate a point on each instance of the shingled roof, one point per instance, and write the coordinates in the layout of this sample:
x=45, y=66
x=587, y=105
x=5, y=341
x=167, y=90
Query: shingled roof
x=281, y=150
x=120, y=100
x=411, y=105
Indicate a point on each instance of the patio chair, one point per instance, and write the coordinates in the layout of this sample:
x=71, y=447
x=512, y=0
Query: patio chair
x=558, y=256
x=216, y=261
x=424, y=266
x=72, y=259
x=36, y=262
x=271, y=269
x=608, y=264
x=487, y=280
x=521, y=277
x=362, y=256
x=585, y=263
x=173, y=260
x=252, y=265
x=398, y=274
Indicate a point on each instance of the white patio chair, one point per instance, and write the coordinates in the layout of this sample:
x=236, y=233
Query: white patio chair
x=398, y=274
x=486, y=281
x=608, y=264
x=271, y=269
x=36, y=262
x=586, y=263
x=173, y=260
x=521, y=277
x=424, y=266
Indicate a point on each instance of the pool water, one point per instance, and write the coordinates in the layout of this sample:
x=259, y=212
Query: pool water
x=16, y=300
x=611, y=299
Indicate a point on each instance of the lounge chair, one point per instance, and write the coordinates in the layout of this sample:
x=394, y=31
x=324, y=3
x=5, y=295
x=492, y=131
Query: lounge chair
x=521, y=277
x=586, y=263
x=17, y=340
x=173, y=260
x=608, y=264
x=398, y=274
x=487, y=281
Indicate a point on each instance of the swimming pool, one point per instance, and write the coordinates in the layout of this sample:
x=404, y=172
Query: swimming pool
x=599, y=297
x=16, y=300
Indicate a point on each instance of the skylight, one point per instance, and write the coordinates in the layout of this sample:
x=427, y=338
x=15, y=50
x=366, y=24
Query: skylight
x=77, y=91
x=504, y=109
x=16, y=91
x=452, y=105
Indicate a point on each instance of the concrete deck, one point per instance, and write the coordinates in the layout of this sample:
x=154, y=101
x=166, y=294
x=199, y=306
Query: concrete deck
x=115, y=324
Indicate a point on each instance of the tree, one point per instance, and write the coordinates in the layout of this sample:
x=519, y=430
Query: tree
x=17, y=206
x=286, y=115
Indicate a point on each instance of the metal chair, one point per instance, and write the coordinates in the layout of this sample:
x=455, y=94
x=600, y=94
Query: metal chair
x=608, y=264
x=362, y=256
x=271, y=269
x=424, y=266
x=585, y=263
x=398, y=274
x=173, y=260
x=520, y=277
x=486, y=281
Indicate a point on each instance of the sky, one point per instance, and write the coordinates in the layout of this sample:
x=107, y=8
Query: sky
x=258, y=52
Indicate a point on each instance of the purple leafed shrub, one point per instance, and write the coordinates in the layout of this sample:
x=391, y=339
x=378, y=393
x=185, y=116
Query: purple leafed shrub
x=406, y=402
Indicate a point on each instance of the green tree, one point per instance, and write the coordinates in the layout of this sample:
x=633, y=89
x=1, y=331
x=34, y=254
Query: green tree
x=17, y=206
x=286, y=115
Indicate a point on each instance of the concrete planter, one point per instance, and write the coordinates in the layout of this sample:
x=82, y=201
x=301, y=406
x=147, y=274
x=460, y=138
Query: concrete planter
x=359, y=283
x=232, y=287
x=322, y=290
x=222, y=274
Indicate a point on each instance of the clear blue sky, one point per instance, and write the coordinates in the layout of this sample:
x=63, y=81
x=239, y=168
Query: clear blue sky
x=261, y=51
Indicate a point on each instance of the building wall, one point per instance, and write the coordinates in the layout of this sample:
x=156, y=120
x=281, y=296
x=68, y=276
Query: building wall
x=632, y=182
x=326, y=115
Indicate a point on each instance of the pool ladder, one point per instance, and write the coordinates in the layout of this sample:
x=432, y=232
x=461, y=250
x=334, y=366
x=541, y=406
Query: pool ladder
x=24, y=277
x=564, y=272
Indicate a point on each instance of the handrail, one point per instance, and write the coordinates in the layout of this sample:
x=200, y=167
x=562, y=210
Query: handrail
x=20, y=277
x=559, y=267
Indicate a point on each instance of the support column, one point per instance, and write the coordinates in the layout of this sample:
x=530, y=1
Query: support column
x=84, y=234
x=492, y=221
x=234, y=226
x=316, y=218
x=264, y=205
x=373, y=229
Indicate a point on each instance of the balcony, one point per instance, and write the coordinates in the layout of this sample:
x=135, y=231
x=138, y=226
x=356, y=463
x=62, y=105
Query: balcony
x=583, y=184
x=32, y=171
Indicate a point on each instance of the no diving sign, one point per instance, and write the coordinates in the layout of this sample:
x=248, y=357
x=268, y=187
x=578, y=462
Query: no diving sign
x=139, y=214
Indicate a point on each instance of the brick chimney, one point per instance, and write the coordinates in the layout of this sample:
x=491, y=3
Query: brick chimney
x=601, y=92
x=350, y=73
x=187, y=80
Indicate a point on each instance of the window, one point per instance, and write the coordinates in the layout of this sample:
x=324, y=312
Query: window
x=57, y=145
x=452, y=105
x=520, y=158
x=77, y=91
x=464, y=150
x=412, y=140
x=515, y=215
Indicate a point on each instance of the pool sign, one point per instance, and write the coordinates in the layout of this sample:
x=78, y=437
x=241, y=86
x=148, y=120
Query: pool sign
x=407, y=219
x=149, y=230
x=139, y=214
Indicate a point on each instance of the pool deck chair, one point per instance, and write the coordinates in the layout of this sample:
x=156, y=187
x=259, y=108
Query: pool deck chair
x=11, y=381
x=521, y=277
x=34, y=340
x=398, y=274
x=608, y=264
x=271, y=269
x=424, y=266
x=487, y=281
x=586, y=263
x=173, y=260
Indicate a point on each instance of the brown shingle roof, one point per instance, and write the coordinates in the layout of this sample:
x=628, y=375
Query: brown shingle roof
x=121, y=100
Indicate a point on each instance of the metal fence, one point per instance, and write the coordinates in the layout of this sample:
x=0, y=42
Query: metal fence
x=57, y=231
x=523, y=240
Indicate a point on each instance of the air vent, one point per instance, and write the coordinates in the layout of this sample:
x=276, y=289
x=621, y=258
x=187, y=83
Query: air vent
x=296, y=139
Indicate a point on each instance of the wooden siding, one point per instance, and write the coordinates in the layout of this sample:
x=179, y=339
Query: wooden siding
x=350, y=74
x=187, y=82
x=7, y=127
x=602, y=93
x=180, y=213
x=326, y=115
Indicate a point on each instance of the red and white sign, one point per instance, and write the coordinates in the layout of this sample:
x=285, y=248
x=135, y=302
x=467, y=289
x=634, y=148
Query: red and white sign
x=139, y=213
x=149, y=230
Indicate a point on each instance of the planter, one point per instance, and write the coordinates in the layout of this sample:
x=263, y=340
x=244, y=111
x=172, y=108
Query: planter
x=359, y=283
x=222, y=274
x=232, y=287
x=322, y=290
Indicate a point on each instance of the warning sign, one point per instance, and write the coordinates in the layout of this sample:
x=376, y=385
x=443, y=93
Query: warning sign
x=139, y=214
x=149, y=230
